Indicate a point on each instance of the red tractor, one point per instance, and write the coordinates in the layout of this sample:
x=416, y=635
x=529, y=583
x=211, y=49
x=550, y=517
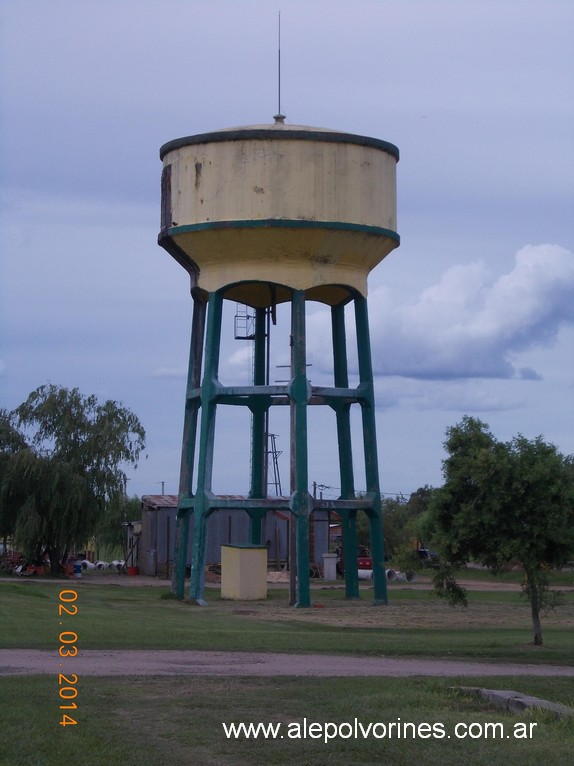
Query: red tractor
x=364, y=559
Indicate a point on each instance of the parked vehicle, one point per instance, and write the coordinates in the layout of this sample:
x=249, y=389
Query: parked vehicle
x=364, y=559
x=429, y=558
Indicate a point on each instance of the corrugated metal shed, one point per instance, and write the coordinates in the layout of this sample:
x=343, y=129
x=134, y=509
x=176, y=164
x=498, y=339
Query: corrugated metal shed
x=224, y=527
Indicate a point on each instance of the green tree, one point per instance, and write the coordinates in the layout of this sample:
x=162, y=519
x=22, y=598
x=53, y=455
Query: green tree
x=503, y=503
x=401, y=517
x=418, y=505
x=68, y=466
x=395, y=516
x=11, y=442
x=393, y=519
x=110, y=529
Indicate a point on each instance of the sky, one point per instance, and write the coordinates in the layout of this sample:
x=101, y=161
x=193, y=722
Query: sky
x=472, y=315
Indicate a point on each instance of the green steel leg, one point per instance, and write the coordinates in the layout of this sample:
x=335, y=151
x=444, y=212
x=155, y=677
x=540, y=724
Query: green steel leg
x=378, y=554
x=180, y=552
x=192, y=404
x=299, y=393
x=259, y=411
x=343, y=415
x=303, y=558
x=197, y=579
x=370, y=448
x=256, y=517
x=206, y=446
x=349, y=529
x=342, y=411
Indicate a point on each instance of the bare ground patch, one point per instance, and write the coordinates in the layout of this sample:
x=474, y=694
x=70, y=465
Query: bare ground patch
x=433, y=613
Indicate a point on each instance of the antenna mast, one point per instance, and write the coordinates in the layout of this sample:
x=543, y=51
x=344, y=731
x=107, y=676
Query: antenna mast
x=279, y=117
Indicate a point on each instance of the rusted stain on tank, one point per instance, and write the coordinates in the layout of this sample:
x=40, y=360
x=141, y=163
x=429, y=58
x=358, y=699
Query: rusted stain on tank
x=198, y=169
x=323, y=260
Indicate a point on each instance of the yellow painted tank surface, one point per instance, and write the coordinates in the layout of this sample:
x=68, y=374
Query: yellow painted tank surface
x=296, y=207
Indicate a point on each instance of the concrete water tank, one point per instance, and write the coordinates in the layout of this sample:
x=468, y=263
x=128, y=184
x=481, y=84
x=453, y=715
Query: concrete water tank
x=307, y=208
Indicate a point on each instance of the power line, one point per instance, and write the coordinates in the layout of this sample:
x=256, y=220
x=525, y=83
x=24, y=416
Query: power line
x=337, y=490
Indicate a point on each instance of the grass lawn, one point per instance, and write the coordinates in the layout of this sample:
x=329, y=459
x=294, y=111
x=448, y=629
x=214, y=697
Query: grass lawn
x=178, y=722
x=555, y=577
x=495, y=626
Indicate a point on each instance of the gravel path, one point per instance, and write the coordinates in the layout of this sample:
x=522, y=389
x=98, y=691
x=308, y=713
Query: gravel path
x=177, y=663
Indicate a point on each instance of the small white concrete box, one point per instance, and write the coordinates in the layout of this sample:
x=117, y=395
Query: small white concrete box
x=244, y=572
x=329, y=567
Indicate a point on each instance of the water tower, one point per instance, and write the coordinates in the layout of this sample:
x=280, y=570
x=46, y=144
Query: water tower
x=266, y=215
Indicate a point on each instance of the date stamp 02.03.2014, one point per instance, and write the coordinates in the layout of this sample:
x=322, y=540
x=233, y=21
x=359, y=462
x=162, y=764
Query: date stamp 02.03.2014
x=68, y=648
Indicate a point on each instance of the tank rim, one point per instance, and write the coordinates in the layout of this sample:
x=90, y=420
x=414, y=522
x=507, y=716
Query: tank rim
x=279, y=133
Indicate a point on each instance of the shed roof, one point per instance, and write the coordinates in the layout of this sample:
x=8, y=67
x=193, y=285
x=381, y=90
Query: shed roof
x=159, y=501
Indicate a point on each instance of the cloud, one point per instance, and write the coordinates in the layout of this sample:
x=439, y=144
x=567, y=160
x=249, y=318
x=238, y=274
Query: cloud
x=447, y=396
x=241, y=358
x=470, y=324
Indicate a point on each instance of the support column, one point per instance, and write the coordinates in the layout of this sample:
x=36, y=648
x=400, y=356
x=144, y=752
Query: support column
x=180, y=552
x=343, y=415
x=209, y=389
x=259, y=427
x=370, y=448
x=300, y=394
x=192, y=404
x=349, y=529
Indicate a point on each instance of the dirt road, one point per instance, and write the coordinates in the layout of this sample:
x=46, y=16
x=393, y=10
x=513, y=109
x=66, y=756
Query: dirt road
x=178, y=663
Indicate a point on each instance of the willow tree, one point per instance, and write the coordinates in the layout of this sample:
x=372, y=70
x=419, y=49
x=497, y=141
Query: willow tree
x=11, y=442
x=503, y=503
x=69, y=466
